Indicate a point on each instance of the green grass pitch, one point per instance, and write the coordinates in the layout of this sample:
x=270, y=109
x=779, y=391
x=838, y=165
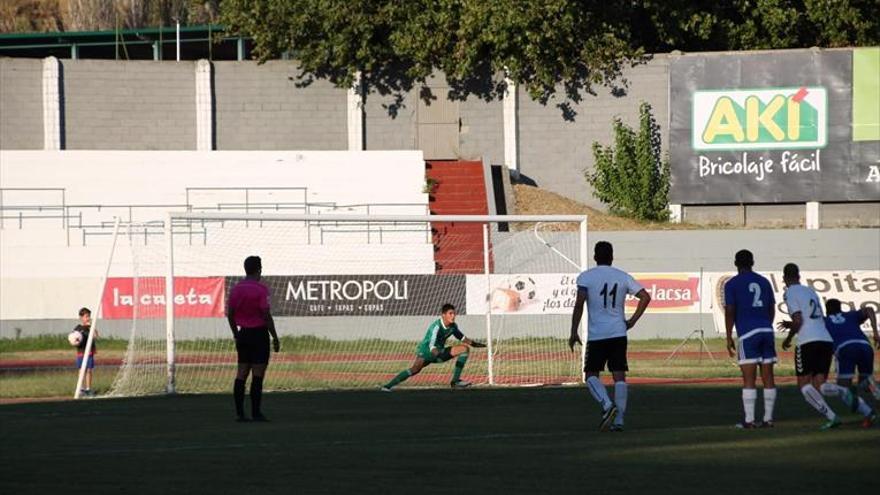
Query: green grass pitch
x=679, y=439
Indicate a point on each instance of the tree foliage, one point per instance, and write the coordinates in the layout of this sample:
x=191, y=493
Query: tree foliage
x=665, y=25
x=632, y=177
x=546, y=46
x=94, y=15
x=563, y=48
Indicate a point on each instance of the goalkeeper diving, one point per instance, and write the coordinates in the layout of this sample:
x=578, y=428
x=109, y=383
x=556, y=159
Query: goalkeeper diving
x=433, y=349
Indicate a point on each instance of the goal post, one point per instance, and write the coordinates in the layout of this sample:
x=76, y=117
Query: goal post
x=352, y=295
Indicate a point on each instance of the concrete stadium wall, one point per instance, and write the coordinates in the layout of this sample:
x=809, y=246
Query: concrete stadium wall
x=555, y=152
x=261, y=107
x=152, y=105
x=40, y=265
x=21, y=104
x=136, y=105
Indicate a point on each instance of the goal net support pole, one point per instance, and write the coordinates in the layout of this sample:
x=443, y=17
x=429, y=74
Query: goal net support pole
x=90, y=341
x=169, y=304
x=489, y=357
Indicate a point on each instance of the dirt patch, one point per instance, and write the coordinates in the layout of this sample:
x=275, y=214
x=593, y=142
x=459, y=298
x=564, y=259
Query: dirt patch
x=530, y=200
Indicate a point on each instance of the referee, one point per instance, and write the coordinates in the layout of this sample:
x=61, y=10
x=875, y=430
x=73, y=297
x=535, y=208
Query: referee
x=250, y=320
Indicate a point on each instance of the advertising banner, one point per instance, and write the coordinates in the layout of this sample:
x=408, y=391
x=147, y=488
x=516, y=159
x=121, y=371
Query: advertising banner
x=555, y=293
x=194, y=297
x=792, y=126
x=855, y=289
x=363, y=295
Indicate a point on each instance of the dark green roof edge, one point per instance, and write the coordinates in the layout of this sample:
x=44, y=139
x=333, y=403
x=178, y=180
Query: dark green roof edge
x=73, y=35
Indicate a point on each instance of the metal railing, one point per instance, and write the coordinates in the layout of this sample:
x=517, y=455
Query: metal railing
x=80, y=216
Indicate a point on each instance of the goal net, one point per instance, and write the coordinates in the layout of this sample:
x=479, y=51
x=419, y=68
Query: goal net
x=351, y=298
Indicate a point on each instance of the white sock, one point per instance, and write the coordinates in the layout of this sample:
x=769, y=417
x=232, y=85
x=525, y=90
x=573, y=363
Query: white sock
x=597, y=390
x=750, y=395
x=815, y=399
x=620, y=393
x=769, y=404
x=831, y=390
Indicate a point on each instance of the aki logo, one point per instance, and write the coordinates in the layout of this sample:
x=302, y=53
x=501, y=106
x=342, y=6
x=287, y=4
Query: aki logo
x=760, y=119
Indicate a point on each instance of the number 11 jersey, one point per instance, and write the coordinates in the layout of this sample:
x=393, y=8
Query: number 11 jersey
x=606, y=288
x=752, y=296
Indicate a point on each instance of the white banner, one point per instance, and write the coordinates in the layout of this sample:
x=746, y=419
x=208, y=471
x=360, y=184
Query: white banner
x=671, y=293
x=855, y=289
x=554, y=293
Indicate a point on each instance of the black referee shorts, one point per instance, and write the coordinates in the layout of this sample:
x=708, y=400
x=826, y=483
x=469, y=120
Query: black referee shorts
x=813, y=358
x=606, y=351
x=252, y=345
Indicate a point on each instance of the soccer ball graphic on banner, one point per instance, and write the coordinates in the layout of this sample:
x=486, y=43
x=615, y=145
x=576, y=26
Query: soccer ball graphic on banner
x=75, y=338
x=525, y=287
x=514, y=293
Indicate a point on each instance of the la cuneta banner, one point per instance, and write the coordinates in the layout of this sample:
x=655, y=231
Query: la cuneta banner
x=362, y=295
x=194, y=297
x=794, y=126
x=671, y=293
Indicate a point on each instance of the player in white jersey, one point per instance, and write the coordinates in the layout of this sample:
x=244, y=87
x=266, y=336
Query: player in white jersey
x=815, y=348
x=604, y=289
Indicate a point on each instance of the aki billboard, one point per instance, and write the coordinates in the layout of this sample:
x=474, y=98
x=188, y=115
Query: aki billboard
x=775, y=127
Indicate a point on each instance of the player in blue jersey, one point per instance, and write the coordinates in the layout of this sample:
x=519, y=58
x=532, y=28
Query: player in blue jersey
x=853, y=352
x=750, y=306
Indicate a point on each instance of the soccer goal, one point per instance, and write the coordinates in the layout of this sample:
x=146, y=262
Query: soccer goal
x=352, y=296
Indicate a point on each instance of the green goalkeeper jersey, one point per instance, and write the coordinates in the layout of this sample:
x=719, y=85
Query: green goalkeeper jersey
x=436, y=337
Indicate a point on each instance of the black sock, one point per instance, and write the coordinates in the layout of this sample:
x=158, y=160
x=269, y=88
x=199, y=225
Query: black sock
x=256, y=395
x=238, y=393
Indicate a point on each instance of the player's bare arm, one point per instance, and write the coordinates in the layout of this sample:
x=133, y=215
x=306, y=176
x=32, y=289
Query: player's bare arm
x=230, y=317
x=871, y=316
x=729, y=319
x=576, y=315
x=270, y=324
x=644, y=299
x=793, y=328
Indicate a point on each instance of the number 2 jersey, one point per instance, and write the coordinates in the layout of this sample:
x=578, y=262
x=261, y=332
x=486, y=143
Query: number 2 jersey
x=804, y=300
x=752, y=296
x=606, y=288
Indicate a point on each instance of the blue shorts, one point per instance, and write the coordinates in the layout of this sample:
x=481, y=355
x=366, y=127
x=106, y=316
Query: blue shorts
x=852, y=356
x=757, y=346
x=89, y=365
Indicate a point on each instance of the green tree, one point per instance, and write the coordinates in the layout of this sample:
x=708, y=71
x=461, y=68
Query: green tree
x=665, y=25
x=546, y=46
x=632, y=177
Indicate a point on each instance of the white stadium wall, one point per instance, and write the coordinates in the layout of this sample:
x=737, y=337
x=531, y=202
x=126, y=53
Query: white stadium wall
x=59, y=208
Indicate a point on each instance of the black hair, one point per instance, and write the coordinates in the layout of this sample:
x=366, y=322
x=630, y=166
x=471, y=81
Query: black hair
x=791, y=270
x=603, y=253
x=446, y=307
x=252, y=264
x=85, y=311
x=832, y=306
x=744, y=259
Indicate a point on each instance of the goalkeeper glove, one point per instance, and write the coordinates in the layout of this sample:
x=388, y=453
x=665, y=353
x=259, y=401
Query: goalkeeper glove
x=477, y=344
